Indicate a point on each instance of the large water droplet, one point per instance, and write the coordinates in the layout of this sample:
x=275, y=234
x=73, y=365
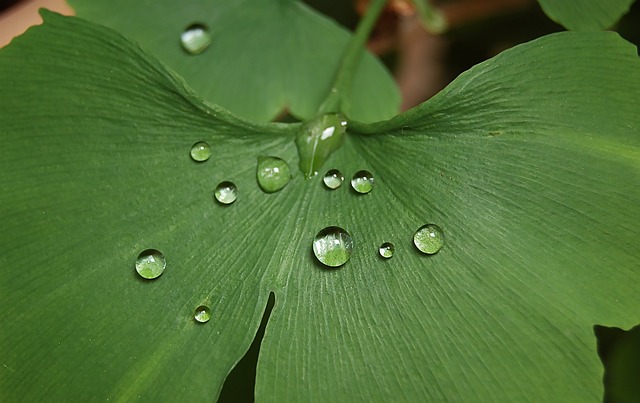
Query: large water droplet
x=200, y=151
x=386, y=250
x=202, y=314
x=333, y=179
x=362, y=182
x=332, y=246
x=226, y=192
x=429, y=239
x=318, y=139
x=195, y=39
x=150, y=264
x=273, y=173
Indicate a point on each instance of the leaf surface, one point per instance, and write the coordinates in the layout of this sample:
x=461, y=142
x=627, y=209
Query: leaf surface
x=586, y=15
x=529, y=162
x=265, y=56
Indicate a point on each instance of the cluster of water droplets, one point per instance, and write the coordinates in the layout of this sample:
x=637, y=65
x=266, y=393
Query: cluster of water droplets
x=333, y=246
x=150, y=264
x=272, y=174
x=362, y=181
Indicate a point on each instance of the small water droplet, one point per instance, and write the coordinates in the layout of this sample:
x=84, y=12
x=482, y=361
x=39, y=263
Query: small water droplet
x=202, y=314
x=333, y=179
x=195, y=39
x=386, y=250
x=150, y=264
x=200, y=151
x=429, y=239
x=273, y=173
x=362, y=182
x=226, y=192
x=333, y=246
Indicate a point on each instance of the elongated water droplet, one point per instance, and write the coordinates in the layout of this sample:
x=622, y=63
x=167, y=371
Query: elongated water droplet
x=200, y=151
x=226, y=192
x=333, y=179
x=362, y=182
x=318, y=139
x=195, y=39
x=202, y=314
x=429, y=239
x=273, y=173
x=150, y=264
x=332, y=246
x=386, y=250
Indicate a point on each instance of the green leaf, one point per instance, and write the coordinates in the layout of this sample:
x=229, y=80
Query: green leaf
x=264, y=56
x=529, y=162
x=95, y=168
x=586, y=15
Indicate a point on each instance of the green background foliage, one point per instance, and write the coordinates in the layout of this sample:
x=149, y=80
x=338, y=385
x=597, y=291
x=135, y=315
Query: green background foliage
x=586, y=15
x=529, y=162
x=265, y=55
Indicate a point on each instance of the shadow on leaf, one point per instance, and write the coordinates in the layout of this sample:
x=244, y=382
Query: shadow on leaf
x=619, y=351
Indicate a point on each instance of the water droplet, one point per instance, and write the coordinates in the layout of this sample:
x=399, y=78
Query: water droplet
x=202, y=314
x=273, y=173
x=318, y=139
x=200, y=151
x=429, y=239
x=333, y=179
x=226, y=192
x=150, y=264
x=195, y=39
x=386, y=250
x=332, y=246
x=362, y=182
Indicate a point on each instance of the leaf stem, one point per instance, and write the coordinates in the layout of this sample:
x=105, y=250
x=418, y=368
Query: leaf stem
x=344, y=76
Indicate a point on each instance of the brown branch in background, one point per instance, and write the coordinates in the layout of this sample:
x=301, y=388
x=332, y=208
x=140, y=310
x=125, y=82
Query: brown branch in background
x=462, y=12
x=421, y=70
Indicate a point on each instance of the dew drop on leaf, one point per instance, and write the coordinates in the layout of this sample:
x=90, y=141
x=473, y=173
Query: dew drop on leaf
x=386, y=250
x=362, y=182
x=200, y=151
x=150, y=264
x=273, y=173
x=333, y=179
x=429, y=239
x=332, y=246
x=318, y=139
x=202, y=314
x=226, y=192
x=195, y=39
